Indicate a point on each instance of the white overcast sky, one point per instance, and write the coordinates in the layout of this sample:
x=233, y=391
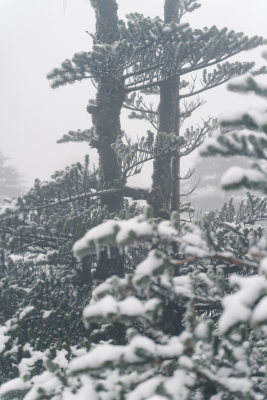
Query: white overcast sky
x=37, y=35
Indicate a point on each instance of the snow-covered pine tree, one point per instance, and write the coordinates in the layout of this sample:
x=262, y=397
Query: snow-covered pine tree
x=248, y=210
x=171, y=114
x=177, y=51
x=38, y=272
x=143, y=55
x=175, y=376
x=246, y=136
x=205, y=362
x=222, y=361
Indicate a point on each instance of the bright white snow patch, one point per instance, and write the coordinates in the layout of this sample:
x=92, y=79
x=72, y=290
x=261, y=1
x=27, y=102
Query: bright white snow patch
x=3, y=337
x=26, y=311
x=235, y=175
x=46, y=314
x=238, y=306
x=13, y=385
x=129, y=307
x=150, y=266
x=111, y=231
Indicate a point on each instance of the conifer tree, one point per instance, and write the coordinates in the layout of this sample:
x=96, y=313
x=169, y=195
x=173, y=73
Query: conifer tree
x=147, y=54
x=225, y=360
x=106, y=121
x=151, y=360
x=171, y=113
x=169, y=123
x=247, y=137
x=38, y=272
x=206, y=361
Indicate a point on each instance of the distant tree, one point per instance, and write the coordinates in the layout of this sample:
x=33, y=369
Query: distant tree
x=249, y=210
x=10, y=180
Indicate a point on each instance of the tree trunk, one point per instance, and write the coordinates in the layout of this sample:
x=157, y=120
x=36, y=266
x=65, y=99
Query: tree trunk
x=106, y=12
x=176, y=164
x=110, y=263
x=171, y=11
x=163, y=174
x=166, y=184
x=86, y=277
x=106, y=121
x=175, y=197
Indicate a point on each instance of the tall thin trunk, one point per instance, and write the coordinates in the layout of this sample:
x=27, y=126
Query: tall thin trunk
x=106, y=121
x=166, y=183
x=176, y=189
x=176, y=165
x=163, y=174
x=171, y=10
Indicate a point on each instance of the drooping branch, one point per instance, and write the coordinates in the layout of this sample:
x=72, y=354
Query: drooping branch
x=135, y=193
x=141, y=110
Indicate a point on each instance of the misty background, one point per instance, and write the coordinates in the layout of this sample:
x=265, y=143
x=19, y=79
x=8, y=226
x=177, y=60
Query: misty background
x=37, y=35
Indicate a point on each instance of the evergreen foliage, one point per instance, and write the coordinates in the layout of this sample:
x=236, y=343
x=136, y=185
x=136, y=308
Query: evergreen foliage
x=149, y=51
x=220, y=354
x=142, y=54
x=188, y=319
x=249, y=139
x=38, y=272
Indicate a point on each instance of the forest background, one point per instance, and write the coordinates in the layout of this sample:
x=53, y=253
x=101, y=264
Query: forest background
x=41, y=35
x=170, y=326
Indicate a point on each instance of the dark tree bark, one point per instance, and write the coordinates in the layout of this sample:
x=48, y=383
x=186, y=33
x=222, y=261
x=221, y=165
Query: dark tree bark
x=106, y=112
x=86, y=276
x=166, y=184
x=171, y=11
x=164, y=177
x=176, y=165
x=109, y=263
x=106, y=12
x=106, y=121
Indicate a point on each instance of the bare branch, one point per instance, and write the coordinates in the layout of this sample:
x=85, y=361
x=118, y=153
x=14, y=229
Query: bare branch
x=148, y=111
x=207, y=87
x=188, y=174
x=192, y=190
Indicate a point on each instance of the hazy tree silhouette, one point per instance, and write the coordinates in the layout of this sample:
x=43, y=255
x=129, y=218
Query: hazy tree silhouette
x=10, y=180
